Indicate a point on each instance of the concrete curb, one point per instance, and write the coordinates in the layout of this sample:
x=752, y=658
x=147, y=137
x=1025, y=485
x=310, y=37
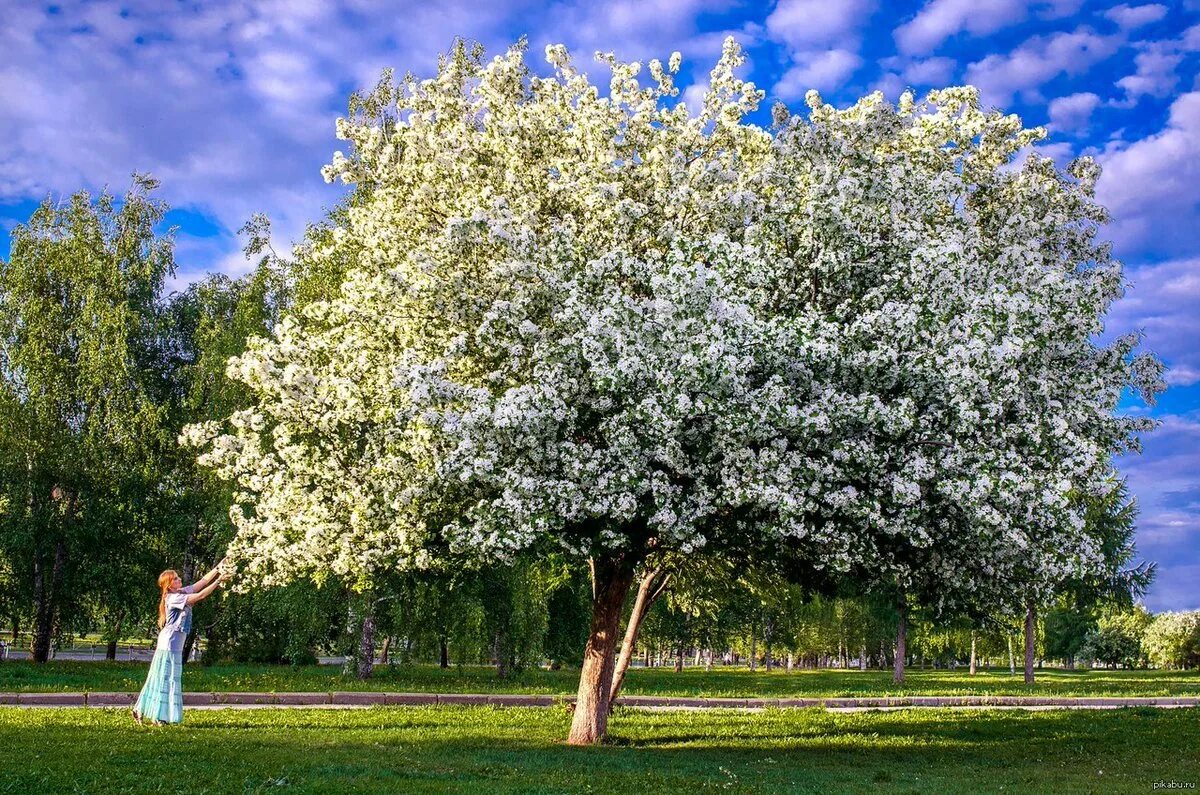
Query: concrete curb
x=360, y=698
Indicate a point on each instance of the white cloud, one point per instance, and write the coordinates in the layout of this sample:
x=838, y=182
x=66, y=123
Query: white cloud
x=823, y=40
x=938, y=20
x=823, y=71
x=1072, y=113
x=1152, y=185
x=1132, y=17
x=1156, y=63
x=804, y=24
x=1037, y=61
x=1165, y=478
x=1164, y=301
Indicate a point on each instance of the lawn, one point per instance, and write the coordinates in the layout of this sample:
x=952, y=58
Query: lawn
x=727, y=682
x=480, y=749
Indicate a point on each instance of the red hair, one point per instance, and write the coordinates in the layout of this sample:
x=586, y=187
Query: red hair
x=164, y=583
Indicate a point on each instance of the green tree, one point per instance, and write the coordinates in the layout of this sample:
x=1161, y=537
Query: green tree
x=79, y=316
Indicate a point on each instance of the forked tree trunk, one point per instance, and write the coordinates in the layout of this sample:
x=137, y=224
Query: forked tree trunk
x=46, y=602
x=974, y=659
x=1030, y=625
x=611, y=580
x=652, y=586
x=901, y=643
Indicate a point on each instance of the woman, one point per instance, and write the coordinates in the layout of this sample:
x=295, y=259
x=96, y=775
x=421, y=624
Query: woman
x=161, y=699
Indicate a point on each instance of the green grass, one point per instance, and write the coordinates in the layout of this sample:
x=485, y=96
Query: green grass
x=730, y=682
x=443, y=749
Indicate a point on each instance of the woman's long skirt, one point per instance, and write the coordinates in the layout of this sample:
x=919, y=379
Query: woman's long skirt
x=161, y=698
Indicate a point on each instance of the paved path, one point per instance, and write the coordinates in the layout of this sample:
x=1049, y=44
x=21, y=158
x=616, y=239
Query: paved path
x=361, y=699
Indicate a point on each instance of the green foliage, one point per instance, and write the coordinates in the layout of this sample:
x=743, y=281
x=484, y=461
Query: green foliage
x=1172, y=640
x=280, y=625
x=1066, y=629
x=82, y=392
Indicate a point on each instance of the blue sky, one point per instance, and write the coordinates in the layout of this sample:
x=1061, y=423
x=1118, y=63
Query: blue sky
x=232, y=106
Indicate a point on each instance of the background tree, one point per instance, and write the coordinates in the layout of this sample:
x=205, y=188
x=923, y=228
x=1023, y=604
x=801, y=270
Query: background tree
x=79, y=313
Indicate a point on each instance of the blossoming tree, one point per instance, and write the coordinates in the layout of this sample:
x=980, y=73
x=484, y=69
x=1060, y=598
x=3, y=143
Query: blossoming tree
x=605, y=323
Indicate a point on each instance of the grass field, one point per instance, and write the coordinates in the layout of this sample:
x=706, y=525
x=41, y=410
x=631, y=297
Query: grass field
x=721, y=682
x=479, y=749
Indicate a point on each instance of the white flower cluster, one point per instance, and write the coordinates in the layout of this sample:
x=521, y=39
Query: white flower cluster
x=596, y=319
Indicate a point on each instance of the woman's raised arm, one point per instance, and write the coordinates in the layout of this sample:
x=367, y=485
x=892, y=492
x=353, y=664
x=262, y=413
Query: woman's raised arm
x=203, y=593
x=208, y=578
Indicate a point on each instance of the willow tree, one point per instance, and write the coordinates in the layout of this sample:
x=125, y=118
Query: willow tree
x=597, y=322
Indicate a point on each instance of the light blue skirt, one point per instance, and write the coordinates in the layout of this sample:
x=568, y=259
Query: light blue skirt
x=161, y=698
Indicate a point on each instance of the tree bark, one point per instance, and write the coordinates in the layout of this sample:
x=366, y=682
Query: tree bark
x=974, y=659
x=708, y=662
x=612, y=578
x=753, y=647
x=500, y=652
x=443, y=652
x=46, y=602
x=1012, y=661
x=901, y=643
x=383, y=651
x=366, y=642
x=862, y=657
x=679, y=660
x=652, y=586
x=1030, y=624
x=189, y=644
x=110, y=650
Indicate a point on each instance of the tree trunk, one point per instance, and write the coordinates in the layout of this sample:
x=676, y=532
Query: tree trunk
x=1012, y=661
x=974, y=659
x=110, y=650
x=652, y=586
x=901, y=643
x=443, y=652
x=366, y=642
x=46, y=602
x=1030, y=624
x=753, y=648
x=708, y=663
x=679, y=660
x=383, y=651
x=189, y=644
x=500, y=652
x=611, y=581
x=862, y=657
